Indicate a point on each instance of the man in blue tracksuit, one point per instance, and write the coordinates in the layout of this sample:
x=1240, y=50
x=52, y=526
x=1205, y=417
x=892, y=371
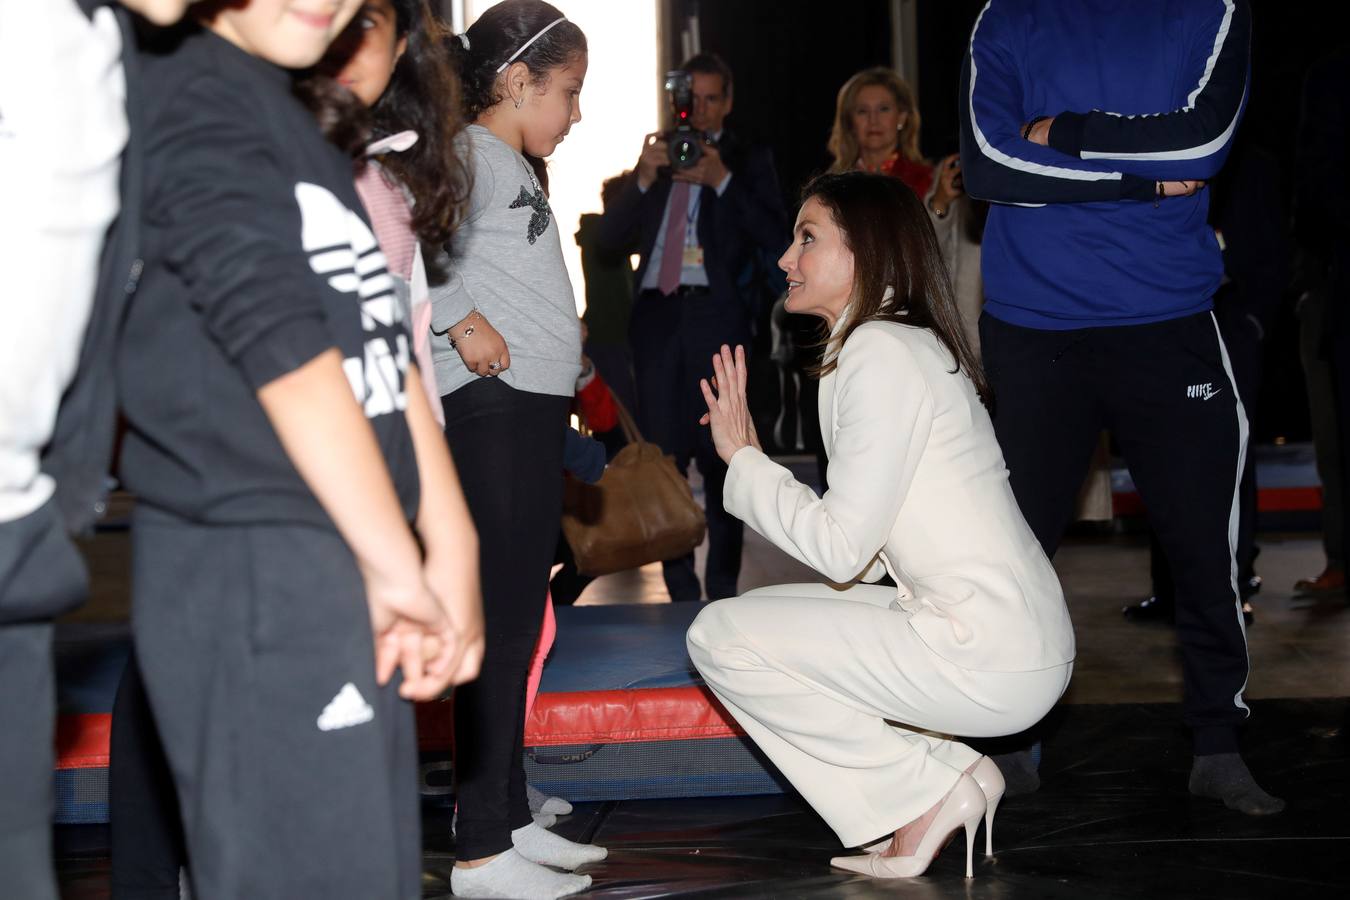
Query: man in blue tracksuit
x=1092, y=126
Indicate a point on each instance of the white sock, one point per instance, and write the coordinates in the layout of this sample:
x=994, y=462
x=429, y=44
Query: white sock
x=514, y=877
x=548, y=849
x=543, y=803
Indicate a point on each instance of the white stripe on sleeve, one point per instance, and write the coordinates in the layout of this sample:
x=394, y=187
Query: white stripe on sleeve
x=1209, y=147
x=1013, y=162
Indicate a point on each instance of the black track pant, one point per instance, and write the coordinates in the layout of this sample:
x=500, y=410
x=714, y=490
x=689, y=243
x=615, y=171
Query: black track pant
x=1243, y=336
x=1166, y=392
x=41, y=577
x=507, y=446
x=674, y=339
x=28, y=710
x=148, y=847
x=296, y=774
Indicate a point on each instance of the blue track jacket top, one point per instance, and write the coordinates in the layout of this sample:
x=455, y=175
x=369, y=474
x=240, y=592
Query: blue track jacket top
x=1141, y=90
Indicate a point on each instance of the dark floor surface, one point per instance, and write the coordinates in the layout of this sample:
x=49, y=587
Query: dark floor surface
x=1112, y=820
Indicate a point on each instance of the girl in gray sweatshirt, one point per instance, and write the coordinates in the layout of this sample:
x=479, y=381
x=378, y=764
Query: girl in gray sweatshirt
x=507, y=351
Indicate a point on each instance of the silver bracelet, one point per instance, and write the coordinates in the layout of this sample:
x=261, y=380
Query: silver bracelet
x=468, y=331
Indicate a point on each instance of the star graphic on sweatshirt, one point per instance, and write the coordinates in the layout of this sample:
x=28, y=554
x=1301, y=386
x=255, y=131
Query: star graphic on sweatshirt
x=539, y=203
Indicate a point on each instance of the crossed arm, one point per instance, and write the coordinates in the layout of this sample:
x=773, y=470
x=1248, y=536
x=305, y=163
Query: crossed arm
x=1072, y=157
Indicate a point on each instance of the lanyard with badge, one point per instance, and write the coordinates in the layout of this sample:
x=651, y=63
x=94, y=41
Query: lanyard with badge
x=693, y=252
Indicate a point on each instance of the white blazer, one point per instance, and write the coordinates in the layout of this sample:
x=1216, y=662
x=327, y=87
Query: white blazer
x=917, y=486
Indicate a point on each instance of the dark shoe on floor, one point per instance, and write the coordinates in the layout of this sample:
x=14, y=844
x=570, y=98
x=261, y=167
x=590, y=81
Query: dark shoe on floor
x=1154, y=609
x=1248, y=614
x=1019, y=771
x=1225, y=777
x=1329, y=581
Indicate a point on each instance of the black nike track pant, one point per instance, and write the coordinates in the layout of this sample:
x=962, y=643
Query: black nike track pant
x=1167, y=394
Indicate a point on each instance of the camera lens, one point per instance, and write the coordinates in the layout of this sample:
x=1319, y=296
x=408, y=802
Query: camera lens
x=685, y=143
x=686, y=149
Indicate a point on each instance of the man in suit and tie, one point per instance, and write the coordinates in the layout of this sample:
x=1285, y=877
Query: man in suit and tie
x=698, y=231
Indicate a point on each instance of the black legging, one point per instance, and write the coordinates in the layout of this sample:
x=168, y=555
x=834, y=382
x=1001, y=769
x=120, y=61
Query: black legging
x=148, y=847
x=507, y=446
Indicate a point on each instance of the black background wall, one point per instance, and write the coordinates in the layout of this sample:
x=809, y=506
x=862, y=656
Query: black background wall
x=791, y=56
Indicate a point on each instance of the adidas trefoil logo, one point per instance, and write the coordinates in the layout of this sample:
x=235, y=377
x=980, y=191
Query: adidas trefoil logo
x=348, y=708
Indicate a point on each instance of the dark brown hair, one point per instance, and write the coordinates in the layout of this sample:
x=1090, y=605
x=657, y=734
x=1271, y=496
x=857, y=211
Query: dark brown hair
x=343, y=119
x=891, y=238
x=500, y=32
x=709, y=64
x=424, y=95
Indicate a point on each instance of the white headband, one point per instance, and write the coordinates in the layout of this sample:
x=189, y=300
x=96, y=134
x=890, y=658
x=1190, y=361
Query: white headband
x=525, y=46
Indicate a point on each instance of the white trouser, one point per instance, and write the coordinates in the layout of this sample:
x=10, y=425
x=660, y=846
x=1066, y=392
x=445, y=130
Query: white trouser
x=818, y=677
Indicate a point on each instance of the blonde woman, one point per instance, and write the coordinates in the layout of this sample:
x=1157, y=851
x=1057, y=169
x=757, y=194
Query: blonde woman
x=876, y=129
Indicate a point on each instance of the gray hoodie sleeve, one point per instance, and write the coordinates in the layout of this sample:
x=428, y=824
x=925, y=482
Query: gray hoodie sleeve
x=452, y=301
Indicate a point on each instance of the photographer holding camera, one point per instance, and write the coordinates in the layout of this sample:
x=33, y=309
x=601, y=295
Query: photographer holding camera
x=698, y=209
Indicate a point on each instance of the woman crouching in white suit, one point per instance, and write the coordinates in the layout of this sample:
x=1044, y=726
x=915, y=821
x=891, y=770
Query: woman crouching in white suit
x=855, y=690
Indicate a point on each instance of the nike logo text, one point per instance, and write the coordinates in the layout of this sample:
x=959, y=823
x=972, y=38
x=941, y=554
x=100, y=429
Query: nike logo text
x=1202, y=391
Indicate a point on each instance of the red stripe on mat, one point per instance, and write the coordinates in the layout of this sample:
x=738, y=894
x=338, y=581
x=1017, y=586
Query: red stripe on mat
x=576, y=717
x=82, y=740
x=1292, y=499
x=600, y=717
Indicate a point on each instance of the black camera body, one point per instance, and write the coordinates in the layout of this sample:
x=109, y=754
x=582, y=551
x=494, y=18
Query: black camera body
x=685, y=142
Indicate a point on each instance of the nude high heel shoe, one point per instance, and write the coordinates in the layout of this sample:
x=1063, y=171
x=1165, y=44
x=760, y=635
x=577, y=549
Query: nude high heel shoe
x=990, y=779
x=963, y=806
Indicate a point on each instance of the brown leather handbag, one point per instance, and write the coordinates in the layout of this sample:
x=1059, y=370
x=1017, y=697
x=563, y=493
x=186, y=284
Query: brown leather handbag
x=640, y=511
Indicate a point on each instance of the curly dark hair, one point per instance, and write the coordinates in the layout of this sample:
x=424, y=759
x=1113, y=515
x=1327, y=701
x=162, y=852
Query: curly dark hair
x=424, y=96
x=343, y=119
x=500, y=32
